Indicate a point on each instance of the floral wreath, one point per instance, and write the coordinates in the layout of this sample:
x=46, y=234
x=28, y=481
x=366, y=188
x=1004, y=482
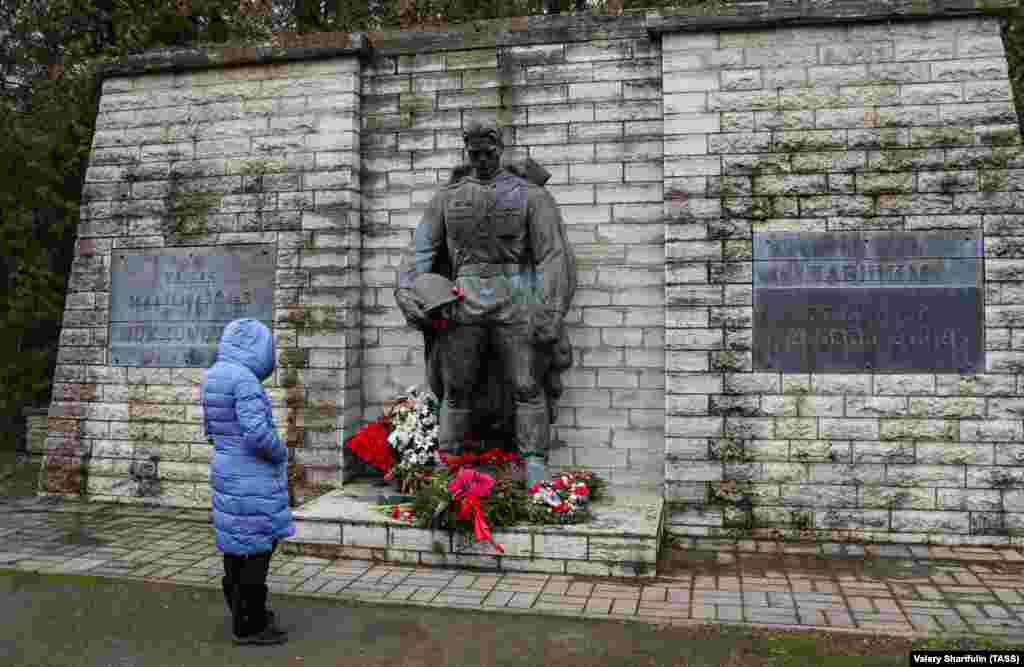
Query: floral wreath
x=403, y=443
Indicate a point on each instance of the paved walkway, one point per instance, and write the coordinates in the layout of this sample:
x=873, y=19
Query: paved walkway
x=920, y=591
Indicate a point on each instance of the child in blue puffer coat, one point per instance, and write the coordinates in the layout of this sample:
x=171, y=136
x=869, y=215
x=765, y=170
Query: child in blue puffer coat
x=248, y=476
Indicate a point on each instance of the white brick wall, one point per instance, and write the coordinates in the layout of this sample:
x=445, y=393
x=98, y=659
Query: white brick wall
x=280, y=146
x=569, y=110
x=845, y=128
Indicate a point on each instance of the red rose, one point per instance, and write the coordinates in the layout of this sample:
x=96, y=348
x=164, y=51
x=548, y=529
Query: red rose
x=396, y=512
x=535, y=488
x=581, y=490
x=561, y=509
x=559, y=484
x=371, y=445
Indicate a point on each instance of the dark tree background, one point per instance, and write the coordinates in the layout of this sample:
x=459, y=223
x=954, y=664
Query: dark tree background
x=48, y=100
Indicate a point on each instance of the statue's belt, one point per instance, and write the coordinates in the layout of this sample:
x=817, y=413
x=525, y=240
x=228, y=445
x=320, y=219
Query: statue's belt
x=490, y=270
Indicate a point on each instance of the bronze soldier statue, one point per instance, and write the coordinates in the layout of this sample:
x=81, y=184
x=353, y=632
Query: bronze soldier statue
x=498, y=235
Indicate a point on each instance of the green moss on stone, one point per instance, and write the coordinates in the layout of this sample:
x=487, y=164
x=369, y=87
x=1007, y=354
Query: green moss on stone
x=737, y=250
x=294, y=358
x=472, y=58
x=795, y=428
x=992, y=180
x=313, y=320
x=943, y=136
x=873, y=184
x=726, y=361
x=960, y=408
x=290, y=378
x=968, y=386
x=190, y=211
x=1004, y=136
x=410, y=102
x=729, y=450
x=763, y=208
x=808, y=140
x=890, y=137
x=796, y=385
x=899, y=160
x=377, y=121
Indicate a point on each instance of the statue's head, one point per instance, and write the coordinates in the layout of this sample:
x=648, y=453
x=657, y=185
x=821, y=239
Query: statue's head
x=484, y=146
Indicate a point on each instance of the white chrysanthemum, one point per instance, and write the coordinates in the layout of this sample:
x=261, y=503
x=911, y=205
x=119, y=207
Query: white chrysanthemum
x=415, y=428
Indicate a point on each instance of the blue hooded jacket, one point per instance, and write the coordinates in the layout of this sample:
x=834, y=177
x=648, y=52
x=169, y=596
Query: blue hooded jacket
x=249, y=471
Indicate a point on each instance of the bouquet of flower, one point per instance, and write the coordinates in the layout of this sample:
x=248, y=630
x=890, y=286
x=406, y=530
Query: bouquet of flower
x=413, y=419
x=467, y=501
x=471, y=502
x=371, y=446
x=403, y=442
x=565, y=499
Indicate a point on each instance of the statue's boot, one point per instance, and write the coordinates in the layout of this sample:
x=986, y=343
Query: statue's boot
x=533, y=431
x=453, y=428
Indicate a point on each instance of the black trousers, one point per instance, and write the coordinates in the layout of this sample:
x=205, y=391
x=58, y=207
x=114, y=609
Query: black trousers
x=245, y=590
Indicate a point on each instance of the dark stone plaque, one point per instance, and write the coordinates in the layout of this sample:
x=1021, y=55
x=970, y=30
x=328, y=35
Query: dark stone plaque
x=884, y=302
x=168, y=307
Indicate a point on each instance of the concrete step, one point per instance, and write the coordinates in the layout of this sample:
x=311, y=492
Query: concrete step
x=621, y=540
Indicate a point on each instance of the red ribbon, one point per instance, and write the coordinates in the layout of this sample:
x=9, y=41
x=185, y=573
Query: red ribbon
x=468, y=489
x=470, y=508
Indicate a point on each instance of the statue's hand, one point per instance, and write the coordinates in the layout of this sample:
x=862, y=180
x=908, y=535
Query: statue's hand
x=412, y=308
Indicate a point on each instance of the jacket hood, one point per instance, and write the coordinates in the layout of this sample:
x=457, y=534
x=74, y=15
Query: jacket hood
x=249, y=343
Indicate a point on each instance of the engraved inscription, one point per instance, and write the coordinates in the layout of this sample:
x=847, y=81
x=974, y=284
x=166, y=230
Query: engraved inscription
x=868, y=273
x=867, y=330
x=899, y=314
x=169, y=308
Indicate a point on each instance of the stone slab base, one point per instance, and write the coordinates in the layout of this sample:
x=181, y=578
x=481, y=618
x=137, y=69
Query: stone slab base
x=622, y=540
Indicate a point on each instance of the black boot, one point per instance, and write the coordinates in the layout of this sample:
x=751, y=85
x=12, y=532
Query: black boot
x=259, y=625
x=225, y=585
x=237, y=604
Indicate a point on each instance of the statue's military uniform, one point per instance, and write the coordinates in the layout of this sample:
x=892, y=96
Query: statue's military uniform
x=502, y=243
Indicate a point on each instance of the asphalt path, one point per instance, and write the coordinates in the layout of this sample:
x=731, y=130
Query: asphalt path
x=58, y=620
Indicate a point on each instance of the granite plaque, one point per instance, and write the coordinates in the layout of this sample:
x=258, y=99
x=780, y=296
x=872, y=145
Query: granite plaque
x=168, y=307
x=868, y=302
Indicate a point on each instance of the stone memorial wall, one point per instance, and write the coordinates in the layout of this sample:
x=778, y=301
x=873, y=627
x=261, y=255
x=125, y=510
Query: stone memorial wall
x=211, y=194
x=841, y=406
x=798, y=236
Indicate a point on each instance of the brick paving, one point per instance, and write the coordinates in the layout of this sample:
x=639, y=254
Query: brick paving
x=897, y=590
